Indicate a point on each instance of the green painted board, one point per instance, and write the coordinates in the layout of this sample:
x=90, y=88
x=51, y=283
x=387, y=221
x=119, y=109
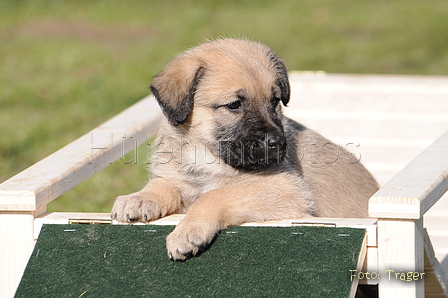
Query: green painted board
x=131, y=261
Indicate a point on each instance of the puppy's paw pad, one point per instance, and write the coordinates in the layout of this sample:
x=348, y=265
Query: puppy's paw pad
x=134, y=207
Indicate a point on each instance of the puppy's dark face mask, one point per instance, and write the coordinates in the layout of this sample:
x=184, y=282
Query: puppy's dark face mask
x=255, y=138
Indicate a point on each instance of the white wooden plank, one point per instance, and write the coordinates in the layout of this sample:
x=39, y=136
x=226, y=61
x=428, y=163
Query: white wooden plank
x=366, y=115
x=400, y=249
x=174, y=219
x=410, y=132
x=371, y=267
x=64, y=169
x=374, y=93
x=417, y=187
x=16, y=245
x=361, y=260
x=63, y=218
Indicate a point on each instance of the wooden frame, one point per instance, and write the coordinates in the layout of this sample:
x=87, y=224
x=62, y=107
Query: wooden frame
x=25, y=196
x=396, y=239
x=399, y=206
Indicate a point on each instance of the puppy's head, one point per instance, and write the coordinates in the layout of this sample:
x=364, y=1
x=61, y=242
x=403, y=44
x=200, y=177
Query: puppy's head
x=230, y=92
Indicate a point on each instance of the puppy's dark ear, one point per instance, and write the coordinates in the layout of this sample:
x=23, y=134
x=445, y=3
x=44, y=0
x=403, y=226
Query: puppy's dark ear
x=174, y=87
x=282, y=80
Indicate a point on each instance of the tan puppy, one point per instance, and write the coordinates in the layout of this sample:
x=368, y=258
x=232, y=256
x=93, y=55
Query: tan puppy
x=225, y=154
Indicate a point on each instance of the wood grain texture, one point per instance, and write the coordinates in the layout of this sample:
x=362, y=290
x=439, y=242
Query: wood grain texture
x=400, y=249
x=51, y=177
x=16, y=245
x=417, y=187
x=359, y=266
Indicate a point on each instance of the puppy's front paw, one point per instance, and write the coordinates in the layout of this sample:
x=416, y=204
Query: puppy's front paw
x=135, y=207
x=188, y=238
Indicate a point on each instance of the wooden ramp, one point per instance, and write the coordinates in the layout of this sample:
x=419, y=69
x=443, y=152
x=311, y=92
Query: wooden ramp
x=131, y=261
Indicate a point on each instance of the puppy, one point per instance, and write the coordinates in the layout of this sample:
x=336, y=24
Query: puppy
x=225, y=154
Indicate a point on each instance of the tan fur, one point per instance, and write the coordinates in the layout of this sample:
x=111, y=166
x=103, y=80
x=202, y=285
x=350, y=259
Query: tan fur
x=317, y=178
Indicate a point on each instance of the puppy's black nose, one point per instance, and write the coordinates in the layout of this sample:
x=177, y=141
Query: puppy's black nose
x=275, y=142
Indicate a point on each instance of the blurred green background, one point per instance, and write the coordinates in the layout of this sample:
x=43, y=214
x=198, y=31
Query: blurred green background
x=67, y=66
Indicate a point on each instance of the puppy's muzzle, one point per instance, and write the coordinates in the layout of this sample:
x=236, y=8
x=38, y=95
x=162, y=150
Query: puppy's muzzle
x=254, y=153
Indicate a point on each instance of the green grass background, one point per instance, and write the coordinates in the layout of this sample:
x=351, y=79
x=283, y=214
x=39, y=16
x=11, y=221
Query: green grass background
x=67, y=66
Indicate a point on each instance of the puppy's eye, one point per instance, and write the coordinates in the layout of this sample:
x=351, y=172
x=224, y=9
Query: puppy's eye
x=234, y=105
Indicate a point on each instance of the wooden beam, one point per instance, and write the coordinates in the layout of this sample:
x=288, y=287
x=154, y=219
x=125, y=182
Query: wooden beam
x=16, y=245
x=417, y=187
x=400, y=250
x=51, y=177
